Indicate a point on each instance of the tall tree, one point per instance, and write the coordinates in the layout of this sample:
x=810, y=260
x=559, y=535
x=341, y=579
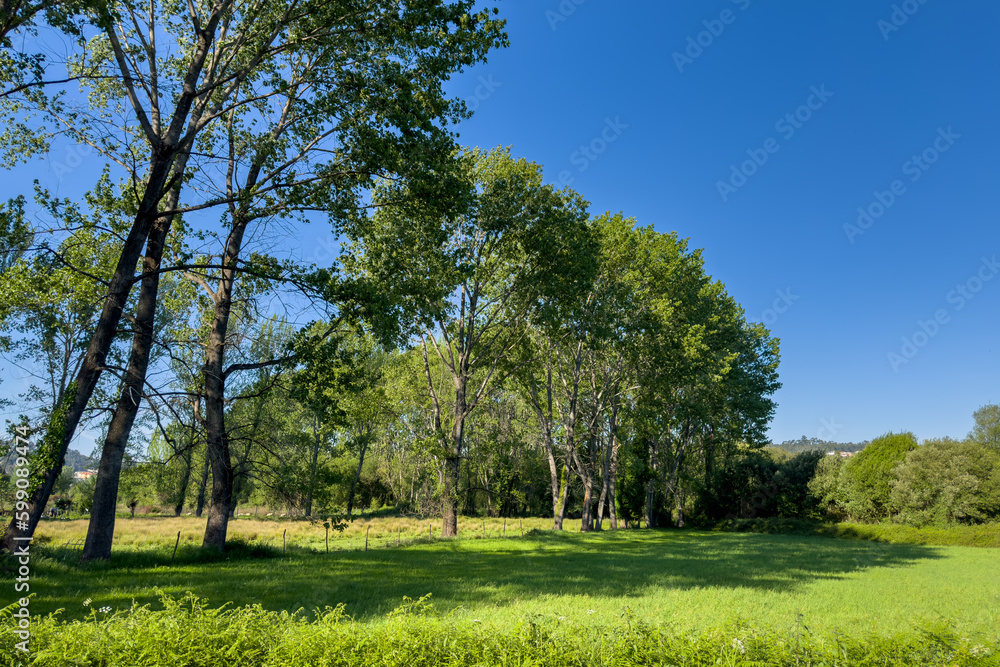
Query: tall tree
x=516, y=252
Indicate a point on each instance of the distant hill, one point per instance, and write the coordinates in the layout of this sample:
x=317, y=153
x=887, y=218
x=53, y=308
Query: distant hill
x=79, y=462
x=74, y=459
x=805, y=444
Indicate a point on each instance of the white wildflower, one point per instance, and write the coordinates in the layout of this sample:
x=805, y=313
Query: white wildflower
x=738, y=645
x=104, y=610
x=562, y=618
x=476, y=620
x=591, y=611
x=86, y=603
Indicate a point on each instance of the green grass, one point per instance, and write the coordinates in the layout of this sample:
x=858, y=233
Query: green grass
x=688, y=580
x=985, y=535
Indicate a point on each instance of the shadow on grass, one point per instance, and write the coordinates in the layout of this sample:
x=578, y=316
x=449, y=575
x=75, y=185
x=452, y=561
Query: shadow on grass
x=471, y=573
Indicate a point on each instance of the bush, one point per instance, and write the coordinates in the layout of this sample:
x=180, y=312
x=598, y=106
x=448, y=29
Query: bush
x=946, y=481
x=866, y=487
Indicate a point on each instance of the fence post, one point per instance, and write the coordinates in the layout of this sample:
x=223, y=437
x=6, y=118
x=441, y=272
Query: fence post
x=283, y=540
x=328, y=538
x=428, y=531
x=366, y=537
x=399, y=529
x=505, y=526
x=176, y=544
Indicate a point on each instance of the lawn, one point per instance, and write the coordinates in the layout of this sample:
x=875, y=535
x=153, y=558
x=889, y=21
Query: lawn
x=686, y=580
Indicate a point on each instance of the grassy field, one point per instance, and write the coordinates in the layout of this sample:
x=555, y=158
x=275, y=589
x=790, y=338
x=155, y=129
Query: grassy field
x=687, y=580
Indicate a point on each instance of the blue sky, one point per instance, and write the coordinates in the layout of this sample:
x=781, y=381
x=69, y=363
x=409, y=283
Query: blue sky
x=820, y=108
x=889, y=91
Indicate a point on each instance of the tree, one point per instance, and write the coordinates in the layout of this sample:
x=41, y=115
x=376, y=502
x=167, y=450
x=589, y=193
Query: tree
x=868, y=475
x=325, y=137
x=476, y=282
x=987, y=429
x=947, y=481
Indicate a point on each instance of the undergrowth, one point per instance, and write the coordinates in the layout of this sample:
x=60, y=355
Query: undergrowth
x=187, y=632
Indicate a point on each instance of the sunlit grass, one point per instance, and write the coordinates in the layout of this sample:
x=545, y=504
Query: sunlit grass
x=687, y=580
x=158, y=533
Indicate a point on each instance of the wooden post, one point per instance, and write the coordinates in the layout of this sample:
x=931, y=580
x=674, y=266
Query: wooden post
x=428, y=531
x=520, y=523
x=399, y=529
x=176, y=544
x=505, y=526
x=328, y=538
x=484, y=527
x=283, y=540
x=366, y=537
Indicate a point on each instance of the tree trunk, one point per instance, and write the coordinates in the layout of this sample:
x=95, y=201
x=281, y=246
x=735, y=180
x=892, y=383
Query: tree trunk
x=312, y=468
x=101, y=528
x=357, y=478
x=202, y=488
x=586, y=522
x=605, y=486
x=185, y=481
x=51, y=452
x=215, y=395
x=563, y=499
x=449, y=504
x=63, y=423
x=612, y=478
x=452, y=466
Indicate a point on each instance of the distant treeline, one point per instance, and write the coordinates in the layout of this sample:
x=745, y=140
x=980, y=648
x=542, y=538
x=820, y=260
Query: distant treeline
x=805, y=444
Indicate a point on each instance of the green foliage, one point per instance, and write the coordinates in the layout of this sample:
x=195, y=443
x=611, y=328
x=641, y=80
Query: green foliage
x=46, y=457
x=826, y=486
x=64, y=481
x=805, y=444
x=867, y=476
x=82, y=493
x=947, y=481
x=187, y=631
x=762, y=484
x=987, y=429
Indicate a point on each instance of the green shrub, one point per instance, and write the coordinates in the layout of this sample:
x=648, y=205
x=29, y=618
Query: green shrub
x=947, y=481
x=867, y=476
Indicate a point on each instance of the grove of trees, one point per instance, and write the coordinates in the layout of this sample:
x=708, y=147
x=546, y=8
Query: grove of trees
x=478, y=343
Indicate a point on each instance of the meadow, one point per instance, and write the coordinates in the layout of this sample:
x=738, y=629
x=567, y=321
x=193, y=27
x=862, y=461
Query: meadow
x=680, y=585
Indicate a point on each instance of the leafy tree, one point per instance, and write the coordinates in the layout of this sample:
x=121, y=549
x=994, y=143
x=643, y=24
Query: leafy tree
x=867, y=476
x=827, y=486
x=987, y=429
x=475, y=283
x=947, y=481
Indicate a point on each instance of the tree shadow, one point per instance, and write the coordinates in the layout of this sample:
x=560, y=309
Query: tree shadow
x=473, y=573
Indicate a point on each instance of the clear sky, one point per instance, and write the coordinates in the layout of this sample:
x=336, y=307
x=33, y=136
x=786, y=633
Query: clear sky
x=683, y=91
x=757, y=130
